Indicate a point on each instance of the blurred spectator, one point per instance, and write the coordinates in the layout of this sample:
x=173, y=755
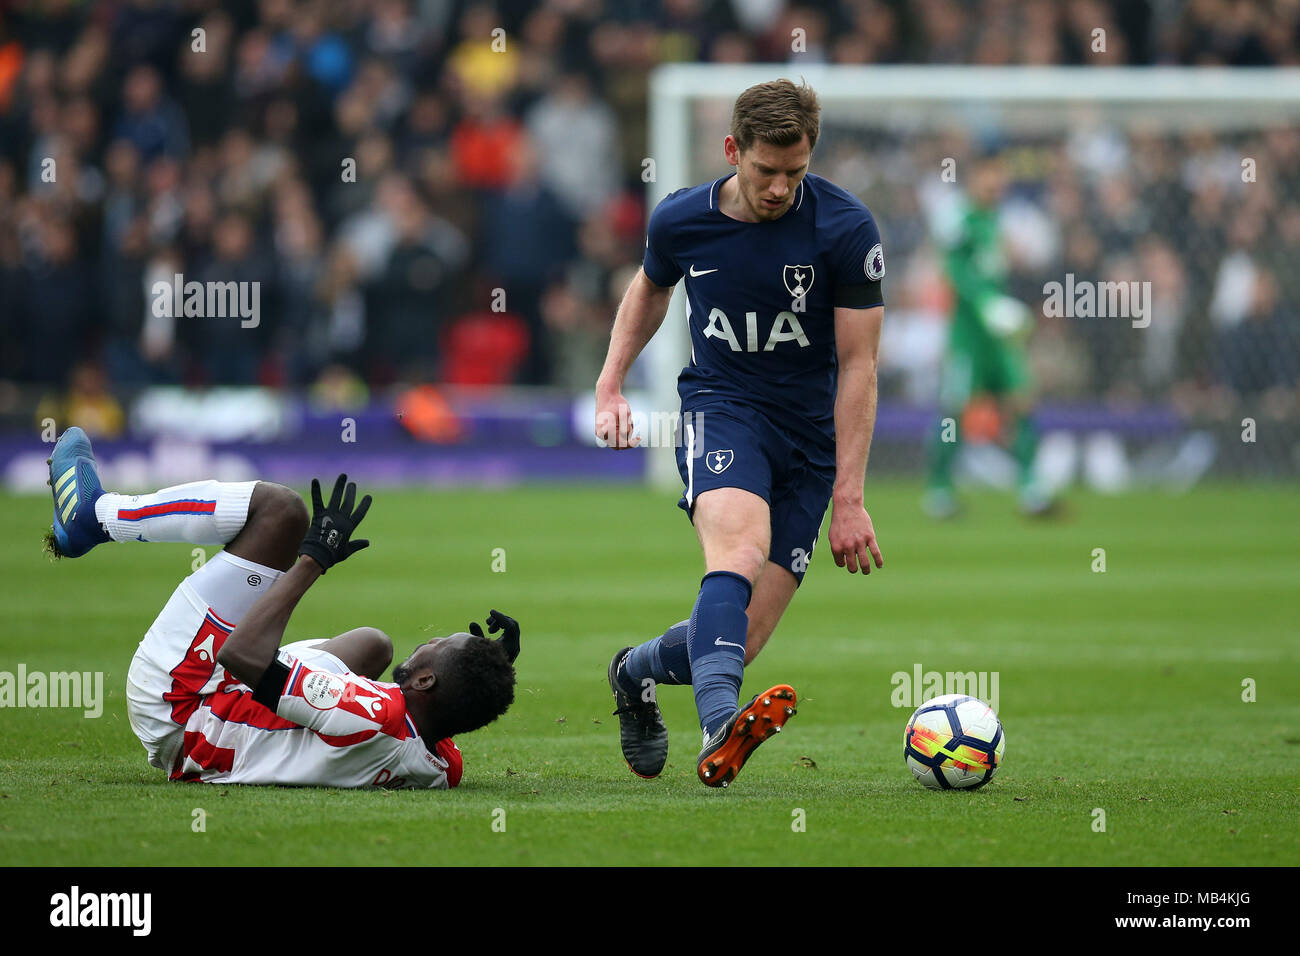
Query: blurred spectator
x=299, y=244
x=485, y=62
x=126, y=305
x=577, y=141
x=206, y=89
x=528, y=237
x=229, y=348
x=579, y=330
x=58, y=296
x=150, y=121
x=483, y=142
x=338, y=389
x=1162, y=358
x=381, y=168
x=1262, y=351
x=88, y=402
x=326, y=57
x=415, y=286
x=484, y=348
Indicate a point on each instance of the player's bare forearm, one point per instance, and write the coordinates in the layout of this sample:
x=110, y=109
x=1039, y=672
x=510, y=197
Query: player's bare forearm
x=855, y=422
x=857, y=347
x=639, y=316
x=857, y=344
x=251, y=646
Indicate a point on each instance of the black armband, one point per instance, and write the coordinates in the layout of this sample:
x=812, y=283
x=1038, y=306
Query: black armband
x=271, y=686
x=858, y=296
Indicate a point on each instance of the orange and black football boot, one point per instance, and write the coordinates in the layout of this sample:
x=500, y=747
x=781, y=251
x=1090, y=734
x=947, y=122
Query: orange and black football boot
x=726, y=751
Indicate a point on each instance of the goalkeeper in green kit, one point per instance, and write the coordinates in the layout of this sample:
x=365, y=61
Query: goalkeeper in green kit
x=986, y=348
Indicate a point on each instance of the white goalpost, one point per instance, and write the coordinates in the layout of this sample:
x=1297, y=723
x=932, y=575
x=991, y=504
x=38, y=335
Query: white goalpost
x=903, y=112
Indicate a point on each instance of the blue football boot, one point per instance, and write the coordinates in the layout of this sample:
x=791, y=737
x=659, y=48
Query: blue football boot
x=75, y=485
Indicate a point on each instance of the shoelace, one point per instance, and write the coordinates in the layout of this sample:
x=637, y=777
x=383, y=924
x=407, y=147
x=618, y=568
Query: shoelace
x=637, y=710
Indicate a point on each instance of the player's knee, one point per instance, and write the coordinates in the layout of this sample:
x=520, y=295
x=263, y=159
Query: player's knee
x=378, y=651
x=746, y=559
x=281, y=510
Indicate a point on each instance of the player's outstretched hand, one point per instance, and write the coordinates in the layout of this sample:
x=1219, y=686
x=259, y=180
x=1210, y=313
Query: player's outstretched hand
x=614, y=421
x=328, y=540
x=852, y=537
x=501, y=622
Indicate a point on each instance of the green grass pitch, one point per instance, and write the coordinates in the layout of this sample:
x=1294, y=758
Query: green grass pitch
x=1119, y=691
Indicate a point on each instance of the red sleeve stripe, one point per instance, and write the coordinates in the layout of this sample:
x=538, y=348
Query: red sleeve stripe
x=187, y=507
x=240, y=708
x=346, y=740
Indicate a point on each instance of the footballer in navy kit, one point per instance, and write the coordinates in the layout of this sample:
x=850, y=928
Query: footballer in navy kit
x=783, y=275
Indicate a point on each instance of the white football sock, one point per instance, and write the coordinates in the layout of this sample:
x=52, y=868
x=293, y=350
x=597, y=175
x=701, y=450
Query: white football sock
x=200, y=512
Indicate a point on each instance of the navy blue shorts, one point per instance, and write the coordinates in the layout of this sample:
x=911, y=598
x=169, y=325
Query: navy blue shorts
x=727, y=445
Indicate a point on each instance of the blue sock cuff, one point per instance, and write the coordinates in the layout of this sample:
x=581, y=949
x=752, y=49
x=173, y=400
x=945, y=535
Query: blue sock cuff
x=716, y=642
x=717, y=621
x=675, y=654
x=725, y=587
x=666, y=659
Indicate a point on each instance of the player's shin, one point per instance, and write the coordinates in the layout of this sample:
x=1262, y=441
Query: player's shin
x=1024, y=446
x=200, y=512
x=944, y=443
x=716, y=640
x=1035, y=497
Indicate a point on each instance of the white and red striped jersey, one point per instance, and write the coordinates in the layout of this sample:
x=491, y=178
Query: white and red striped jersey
x=331, y=728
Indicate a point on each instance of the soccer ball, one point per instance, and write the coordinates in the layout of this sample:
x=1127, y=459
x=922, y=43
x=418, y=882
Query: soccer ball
x=954, y=742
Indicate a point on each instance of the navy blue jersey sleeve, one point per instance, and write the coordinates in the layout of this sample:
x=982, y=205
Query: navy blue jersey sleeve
x=660, y=266
x=858, y=261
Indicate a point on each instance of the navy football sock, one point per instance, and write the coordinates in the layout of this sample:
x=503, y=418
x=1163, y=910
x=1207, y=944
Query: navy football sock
x=664, y=659
x=716, y=639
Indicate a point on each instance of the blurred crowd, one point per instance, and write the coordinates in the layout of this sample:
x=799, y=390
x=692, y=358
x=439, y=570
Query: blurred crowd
x=1203, y=226
x=438, y=190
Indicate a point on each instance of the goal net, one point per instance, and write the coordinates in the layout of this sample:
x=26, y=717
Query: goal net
x=1181, y=185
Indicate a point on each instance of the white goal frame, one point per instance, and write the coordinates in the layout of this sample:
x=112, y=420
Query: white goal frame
x=879, y=90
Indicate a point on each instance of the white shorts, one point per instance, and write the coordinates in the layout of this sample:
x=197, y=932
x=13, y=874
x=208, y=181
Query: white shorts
x=176, y=663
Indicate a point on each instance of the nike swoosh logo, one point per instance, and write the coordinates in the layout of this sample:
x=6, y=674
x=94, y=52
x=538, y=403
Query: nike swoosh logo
x=701, y=273
x=721, y=643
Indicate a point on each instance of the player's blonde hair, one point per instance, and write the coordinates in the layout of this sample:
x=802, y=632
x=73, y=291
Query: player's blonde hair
x=778, y=113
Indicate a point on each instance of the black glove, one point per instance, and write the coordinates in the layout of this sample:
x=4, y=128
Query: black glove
x=327, y=539
x=501, y=622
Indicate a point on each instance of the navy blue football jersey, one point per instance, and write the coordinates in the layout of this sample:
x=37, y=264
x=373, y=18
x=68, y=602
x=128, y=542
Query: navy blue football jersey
x=761, y=296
